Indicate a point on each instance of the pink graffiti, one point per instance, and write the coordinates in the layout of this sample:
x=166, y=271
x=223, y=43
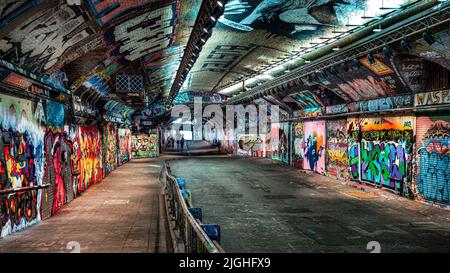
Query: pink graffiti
x=361, y=89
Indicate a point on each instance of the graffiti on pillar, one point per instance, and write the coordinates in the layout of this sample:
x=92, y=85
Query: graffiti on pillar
x=87, y=165
x=144, y=146
x=380, y=152
x=151, y=31
x=124, y=146
x=39, y=42
x=21, y=163
x=337, y=158
x=58, y=172
x=55, y=113
x=315, y=146
x=299, y=144
x=110, y=147
x=433, y=172
x=280, y=146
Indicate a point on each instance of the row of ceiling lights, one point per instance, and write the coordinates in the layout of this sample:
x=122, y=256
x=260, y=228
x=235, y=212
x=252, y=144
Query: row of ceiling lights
x=322, y=75
x=209, y=13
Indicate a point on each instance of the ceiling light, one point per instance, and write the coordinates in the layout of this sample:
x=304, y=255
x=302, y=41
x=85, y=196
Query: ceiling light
x=220, y=4
x=213, y=18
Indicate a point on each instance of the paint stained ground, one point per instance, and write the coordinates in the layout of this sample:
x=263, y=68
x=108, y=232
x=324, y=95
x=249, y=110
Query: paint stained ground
x=262, y=206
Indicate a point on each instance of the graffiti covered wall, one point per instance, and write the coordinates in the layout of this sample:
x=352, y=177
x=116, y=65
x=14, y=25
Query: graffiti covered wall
x=21, y=163
x=433, y=168
x=110, y=147
x=299, y=145
x=87, y=157
x=58, y=173
x=315, y=146
x=124, y=146
x=380, y=151
x=279, y=142
x=337, y=149
x=144, y=146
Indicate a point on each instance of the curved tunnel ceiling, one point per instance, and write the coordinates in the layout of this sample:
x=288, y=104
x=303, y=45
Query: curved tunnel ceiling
x=253, y=34
x=94, y=42
x=89, y=49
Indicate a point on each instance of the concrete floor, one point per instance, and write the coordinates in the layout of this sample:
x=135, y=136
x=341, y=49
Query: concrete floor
x=262, y=206
x=124, y=213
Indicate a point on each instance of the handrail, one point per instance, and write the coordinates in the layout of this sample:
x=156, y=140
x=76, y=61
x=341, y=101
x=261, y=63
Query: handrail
x=192, y=234
x=29, y=188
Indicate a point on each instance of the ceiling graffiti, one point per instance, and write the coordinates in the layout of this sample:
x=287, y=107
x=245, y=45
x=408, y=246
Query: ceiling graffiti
x=93, y=42
x=38, y=43
x=253, y=34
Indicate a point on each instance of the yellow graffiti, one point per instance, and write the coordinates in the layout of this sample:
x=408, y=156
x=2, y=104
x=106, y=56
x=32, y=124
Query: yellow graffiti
x=337, y=156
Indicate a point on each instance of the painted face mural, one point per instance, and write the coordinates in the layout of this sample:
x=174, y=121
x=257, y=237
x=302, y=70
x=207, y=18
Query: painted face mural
x=144, y=146
x=21, y=163
x=337, y=149
x=315, y=146
x=383, y=149
x=433, y=172
x=87, y=159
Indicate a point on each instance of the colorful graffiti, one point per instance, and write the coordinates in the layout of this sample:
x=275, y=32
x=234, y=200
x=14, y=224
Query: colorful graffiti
x=433, y=172
x=21, y=163
x=58, y=173
x=151, y=31
x=381, y=151
x=299, y=145
x=87, y=158
x=144, y=146
x=39, y=42
x=251, y=145
x=55, y=113
x=337, y=159
x=124, y=146
x=110, y=147
x=280, y=146
x=315, y=146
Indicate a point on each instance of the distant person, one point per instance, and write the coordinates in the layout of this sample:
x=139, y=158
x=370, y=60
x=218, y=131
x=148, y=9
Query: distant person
x=182, y=143
x=178, y=144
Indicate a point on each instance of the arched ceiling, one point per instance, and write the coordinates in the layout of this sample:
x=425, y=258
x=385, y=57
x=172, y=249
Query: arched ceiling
x=95, y=41
x=89, y=48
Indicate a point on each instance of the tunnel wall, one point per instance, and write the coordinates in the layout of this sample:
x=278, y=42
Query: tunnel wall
x=41, y=146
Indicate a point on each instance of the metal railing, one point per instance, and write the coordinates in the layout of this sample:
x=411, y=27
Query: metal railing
x=190, y=231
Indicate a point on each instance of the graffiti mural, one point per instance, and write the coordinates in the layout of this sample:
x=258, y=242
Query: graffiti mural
x=384, y=150
x=280, y=146
x=21, y=163
x=55, y=114
x=299, y=144
x=39, y=42
x=58, y=173
x=433, y=172
x=151, y=31
x=315, y=146
x=251, y=145
x=144, y=146
x=337, y=159
x=110, y=147
x=124, y=146
x=87, y=157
